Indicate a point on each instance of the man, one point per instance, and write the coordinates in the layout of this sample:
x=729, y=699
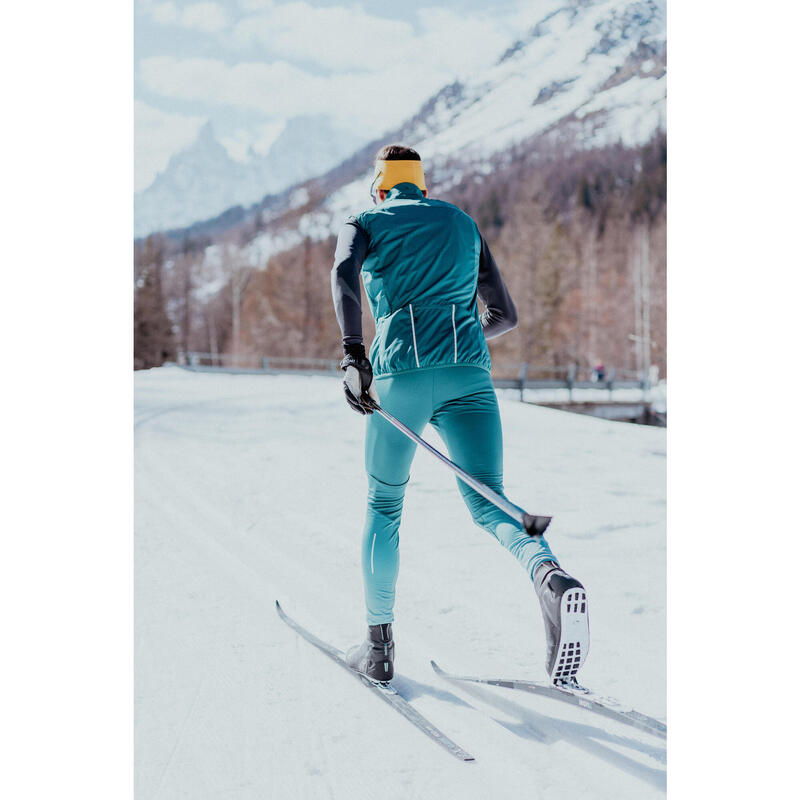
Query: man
x=424, y=265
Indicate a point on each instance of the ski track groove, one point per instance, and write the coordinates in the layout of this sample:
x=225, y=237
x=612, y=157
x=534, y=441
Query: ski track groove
x=178, y=739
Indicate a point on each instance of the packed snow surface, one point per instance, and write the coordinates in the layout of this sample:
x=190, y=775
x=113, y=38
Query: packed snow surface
x=251, y=489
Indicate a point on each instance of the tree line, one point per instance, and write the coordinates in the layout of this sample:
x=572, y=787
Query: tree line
x=580, y=240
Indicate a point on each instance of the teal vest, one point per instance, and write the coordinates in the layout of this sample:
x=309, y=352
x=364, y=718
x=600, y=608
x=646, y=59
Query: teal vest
x=421, y=276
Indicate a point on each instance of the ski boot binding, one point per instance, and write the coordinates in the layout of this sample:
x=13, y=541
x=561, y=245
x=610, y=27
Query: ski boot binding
x=374, y=658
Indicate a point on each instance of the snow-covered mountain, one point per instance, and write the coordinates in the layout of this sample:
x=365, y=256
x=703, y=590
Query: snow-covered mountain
x=202, y=180
x=591, y=73
x=586, y=74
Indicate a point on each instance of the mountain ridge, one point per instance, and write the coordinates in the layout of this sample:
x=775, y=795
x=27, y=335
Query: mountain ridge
x=558, y=152
x=599, y=94
x=203, y=181
x=563, y=83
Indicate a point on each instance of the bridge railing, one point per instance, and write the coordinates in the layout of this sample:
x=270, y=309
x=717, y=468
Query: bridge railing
x=230, y=362
x=505, y=375
x=570, y=377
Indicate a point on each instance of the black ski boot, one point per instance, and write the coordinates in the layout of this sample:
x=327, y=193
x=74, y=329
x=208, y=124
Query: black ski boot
x=375, y=656
x=566, y=621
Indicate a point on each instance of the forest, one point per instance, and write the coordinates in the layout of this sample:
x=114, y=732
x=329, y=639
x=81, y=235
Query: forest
x=579, y=237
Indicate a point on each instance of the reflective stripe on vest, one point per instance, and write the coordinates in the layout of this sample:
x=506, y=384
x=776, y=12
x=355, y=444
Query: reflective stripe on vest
x=455, y=337
x=413, y=332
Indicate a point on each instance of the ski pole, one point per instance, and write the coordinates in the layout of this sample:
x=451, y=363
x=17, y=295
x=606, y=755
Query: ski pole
x=534, y=525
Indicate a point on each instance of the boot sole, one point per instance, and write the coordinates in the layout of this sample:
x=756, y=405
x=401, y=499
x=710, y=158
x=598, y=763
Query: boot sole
x=574, y=645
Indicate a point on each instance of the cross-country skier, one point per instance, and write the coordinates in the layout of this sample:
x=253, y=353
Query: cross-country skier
x=424, y=264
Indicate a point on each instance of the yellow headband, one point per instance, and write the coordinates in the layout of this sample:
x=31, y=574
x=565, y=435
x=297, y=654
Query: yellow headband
x=390, y=173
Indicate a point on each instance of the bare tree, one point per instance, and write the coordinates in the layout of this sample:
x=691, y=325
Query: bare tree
x=238, y=273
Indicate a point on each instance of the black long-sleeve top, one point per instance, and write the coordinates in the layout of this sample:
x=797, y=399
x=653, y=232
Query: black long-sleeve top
x=499, y=316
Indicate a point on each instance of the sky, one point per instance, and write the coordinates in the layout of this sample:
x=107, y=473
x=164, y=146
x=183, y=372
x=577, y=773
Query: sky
x=249, y=65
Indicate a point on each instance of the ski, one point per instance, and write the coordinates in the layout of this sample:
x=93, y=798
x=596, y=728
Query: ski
x=385, y=691
x=577, y=696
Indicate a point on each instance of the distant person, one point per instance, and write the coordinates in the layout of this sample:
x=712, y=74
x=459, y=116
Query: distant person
x=424, y=264
x=599, y=372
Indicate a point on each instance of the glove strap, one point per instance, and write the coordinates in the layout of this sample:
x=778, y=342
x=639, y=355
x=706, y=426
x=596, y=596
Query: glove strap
x=355, y=350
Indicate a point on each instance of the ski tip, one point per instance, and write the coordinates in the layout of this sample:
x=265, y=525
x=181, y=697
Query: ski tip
x=278, y=607
x=436, y=668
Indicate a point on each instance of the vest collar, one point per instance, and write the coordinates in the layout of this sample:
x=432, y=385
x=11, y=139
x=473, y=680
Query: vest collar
x=404, y=191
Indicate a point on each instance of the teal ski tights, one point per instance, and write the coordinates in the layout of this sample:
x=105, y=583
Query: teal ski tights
x=461, y=404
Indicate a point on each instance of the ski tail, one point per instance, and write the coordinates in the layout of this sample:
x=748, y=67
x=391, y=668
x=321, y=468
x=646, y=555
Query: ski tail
x=573, y=695
x=384, y=690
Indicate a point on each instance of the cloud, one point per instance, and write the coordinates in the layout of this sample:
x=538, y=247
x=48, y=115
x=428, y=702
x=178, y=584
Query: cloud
x=335, y=37
x=157, y=135
x=280, y=89
x=163, y=13
x=203, y=17
x=208, y=17
x=346, y=37
x=283, y=59
x=460, y=43
x=378, y=71
x=256, y=5
x=270, y=88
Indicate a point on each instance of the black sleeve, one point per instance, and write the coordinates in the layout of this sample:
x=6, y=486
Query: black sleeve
x=500, y=315
x=351, y=248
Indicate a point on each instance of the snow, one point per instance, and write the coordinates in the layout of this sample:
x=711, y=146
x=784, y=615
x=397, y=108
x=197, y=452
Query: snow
x=567, y=56
x=204, y=179
x=299, y=197
x=639, y=104
x=268, y=244
x=251, y=488
x=498, y=107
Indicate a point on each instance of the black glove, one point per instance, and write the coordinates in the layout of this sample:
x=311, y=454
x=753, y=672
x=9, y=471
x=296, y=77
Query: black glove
x=359, y=390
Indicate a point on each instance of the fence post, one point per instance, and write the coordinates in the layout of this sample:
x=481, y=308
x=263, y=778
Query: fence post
x=612, y=374
x=571, y=379
x=265, y=363
x=523, y=376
